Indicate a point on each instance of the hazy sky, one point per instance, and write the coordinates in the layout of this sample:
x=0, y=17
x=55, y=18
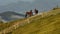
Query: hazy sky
x=26, y=5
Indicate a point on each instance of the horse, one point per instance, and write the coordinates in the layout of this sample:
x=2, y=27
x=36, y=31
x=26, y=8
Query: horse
x=36, y=11
x=29, y=14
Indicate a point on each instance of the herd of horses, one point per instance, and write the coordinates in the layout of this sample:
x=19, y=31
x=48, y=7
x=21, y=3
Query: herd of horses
x=30, y=13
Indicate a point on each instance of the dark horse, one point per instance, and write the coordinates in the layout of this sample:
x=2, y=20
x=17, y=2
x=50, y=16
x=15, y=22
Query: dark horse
x=36, y=11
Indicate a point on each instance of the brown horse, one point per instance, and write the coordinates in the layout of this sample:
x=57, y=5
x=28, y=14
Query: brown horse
x=29, y=14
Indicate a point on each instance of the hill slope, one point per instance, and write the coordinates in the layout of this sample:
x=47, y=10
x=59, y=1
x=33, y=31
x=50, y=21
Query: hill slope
x=48, y=23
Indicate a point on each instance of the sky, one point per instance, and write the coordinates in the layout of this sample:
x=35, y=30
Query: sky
x=21, y=6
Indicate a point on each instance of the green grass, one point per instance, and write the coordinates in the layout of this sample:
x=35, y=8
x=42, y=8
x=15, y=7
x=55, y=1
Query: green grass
x=46, y=25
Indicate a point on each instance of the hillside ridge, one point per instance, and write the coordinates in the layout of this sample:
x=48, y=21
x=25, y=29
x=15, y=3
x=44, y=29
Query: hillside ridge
x=26, y=21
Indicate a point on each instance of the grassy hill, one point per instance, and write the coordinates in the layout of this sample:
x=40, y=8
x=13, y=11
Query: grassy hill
x=8, y=24
x=48, y=24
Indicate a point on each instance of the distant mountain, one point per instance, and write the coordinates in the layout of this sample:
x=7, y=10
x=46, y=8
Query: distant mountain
x=10, y=15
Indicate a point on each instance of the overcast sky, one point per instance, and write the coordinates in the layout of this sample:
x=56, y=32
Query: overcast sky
x=26, y=5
